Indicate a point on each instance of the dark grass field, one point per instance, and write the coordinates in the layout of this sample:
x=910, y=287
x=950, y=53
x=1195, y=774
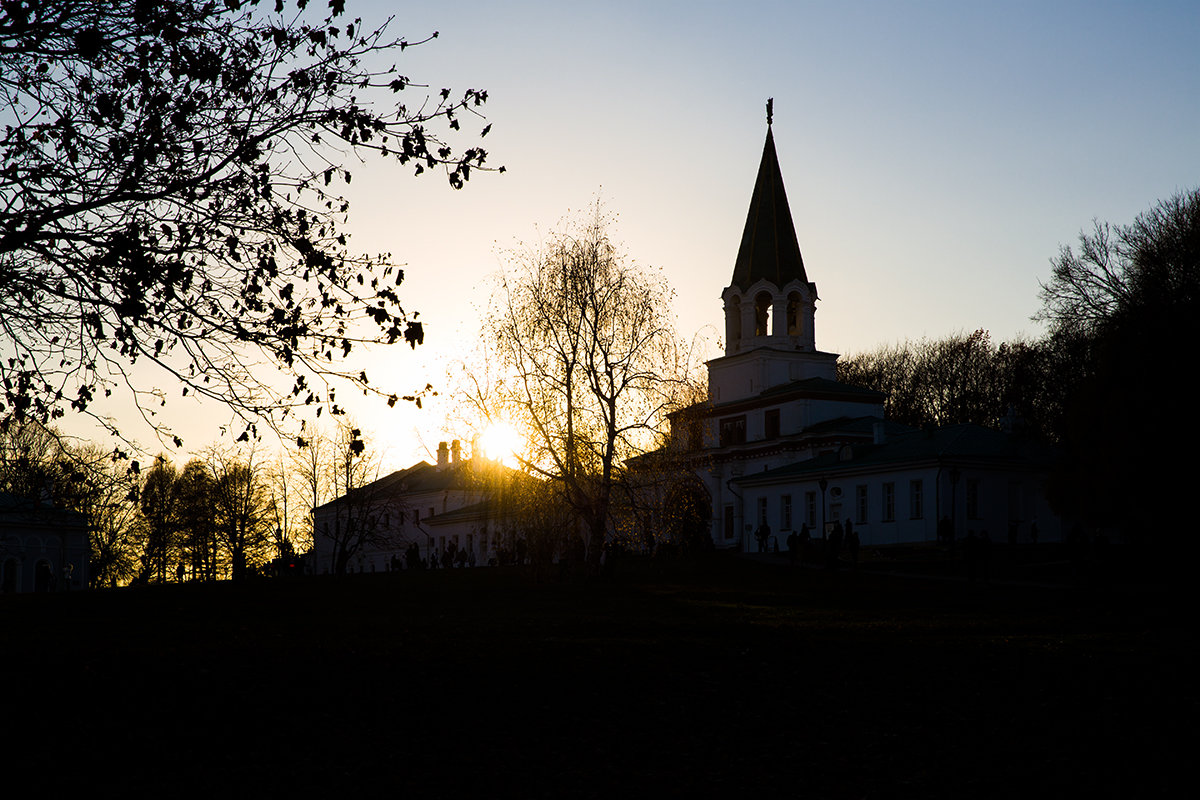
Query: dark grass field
x=720, y=678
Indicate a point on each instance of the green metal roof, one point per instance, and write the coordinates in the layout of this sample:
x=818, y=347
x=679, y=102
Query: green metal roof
x=952, y=443
x=769, y=247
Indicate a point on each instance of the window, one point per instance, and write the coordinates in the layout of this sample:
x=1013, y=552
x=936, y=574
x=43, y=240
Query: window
x=973, y=499
x=860, y=503
x=889, y=502
x=762, y=511
x=728, y=522
x=733, y=431
x=793, y=314
x=771, y=424
x=810, y=509
x=916, y=500
x=762, y=314
x=785, y=512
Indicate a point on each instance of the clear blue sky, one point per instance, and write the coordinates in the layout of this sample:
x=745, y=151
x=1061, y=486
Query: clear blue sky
x=936, y=154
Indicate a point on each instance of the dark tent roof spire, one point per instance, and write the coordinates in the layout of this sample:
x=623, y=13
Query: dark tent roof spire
x=769, y=247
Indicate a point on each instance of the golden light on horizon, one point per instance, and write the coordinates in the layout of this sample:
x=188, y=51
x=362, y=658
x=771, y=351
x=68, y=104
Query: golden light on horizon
x=501, y=442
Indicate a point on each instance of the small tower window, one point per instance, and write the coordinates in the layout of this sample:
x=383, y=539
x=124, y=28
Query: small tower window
x=793, y=314
x=771, y=423
x=762, y=314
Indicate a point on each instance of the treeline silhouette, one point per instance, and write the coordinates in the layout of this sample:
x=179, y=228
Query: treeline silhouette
x=1104, y=382
x=229, y=513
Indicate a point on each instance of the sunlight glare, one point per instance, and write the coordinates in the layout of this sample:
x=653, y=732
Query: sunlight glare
x=501, y=442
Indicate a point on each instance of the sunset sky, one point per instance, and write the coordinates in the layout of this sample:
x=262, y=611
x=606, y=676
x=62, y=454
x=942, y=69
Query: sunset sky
x=936, y=156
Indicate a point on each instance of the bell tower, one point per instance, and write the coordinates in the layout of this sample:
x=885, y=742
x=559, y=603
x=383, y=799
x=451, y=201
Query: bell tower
x=770, y=301
x=770, y=304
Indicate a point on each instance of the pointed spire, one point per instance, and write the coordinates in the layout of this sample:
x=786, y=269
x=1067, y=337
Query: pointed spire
x=769, y=246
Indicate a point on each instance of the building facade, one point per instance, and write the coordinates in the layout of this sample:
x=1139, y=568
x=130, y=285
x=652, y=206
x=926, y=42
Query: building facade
x=426, y=510
x=42, y=548
x=782, y=443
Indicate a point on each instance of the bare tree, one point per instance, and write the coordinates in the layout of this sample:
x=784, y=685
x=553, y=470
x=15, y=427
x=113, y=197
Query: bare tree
x=358, y=519
x=1120, y=271
x=37, y=464
x=1120, y=307
x=241, y=510
x=960, y=378
x=104, y=492
x=592, y=364
x=310, y=462
x=30, y=457
x=290, y=533
x=194, y=508
x=157, y=499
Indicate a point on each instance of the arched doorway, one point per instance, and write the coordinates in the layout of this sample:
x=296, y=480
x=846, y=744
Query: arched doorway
x=43, y=576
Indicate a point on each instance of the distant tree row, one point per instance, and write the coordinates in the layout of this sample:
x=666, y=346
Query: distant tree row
x=226, y=515
x=1104, y=382
x=963, y=377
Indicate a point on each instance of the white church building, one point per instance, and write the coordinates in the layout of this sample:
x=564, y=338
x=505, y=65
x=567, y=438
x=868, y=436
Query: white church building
x=782, y=443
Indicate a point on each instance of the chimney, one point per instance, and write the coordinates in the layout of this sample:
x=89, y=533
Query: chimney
x=443, y=455
x=455, y=451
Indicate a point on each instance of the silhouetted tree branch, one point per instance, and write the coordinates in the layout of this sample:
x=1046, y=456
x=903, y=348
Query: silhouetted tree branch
x=1120, y=308
x=165, y=197
x=963, y=377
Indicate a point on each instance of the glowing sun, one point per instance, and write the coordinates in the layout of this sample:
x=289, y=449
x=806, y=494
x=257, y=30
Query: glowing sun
x=502, y=443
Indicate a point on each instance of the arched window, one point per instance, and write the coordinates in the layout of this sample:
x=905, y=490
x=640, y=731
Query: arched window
x=793, y=314
x=762, y=314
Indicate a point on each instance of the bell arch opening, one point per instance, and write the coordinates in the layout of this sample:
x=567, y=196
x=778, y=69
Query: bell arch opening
x=794, y=302
x=762, y=314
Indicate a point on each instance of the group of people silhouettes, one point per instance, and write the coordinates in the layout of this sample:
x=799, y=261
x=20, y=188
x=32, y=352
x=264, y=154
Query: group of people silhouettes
x=803, y=548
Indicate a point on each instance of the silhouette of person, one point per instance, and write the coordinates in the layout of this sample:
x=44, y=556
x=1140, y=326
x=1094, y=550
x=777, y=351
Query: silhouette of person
x=852, y=541
x=833, y=549
x=945, y=531
x=985, y=555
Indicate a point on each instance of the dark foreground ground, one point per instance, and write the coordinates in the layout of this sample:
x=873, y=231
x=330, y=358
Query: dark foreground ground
x=725, y=678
